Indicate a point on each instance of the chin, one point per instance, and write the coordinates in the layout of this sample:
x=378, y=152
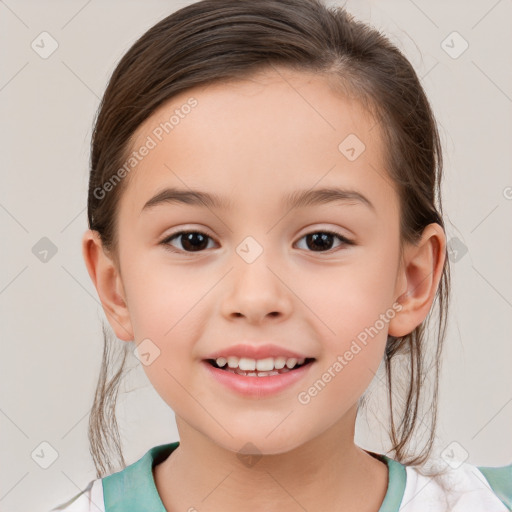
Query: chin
x=258, y=444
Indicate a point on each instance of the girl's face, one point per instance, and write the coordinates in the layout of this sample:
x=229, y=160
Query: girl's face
x=258, y=274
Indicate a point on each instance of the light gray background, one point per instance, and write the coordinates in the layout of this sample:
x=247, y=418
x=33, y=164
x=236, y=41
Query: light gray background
x=51, y=337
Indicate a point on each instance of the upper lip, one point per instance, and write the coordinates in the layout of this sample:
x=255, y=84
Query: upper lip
x=256, y=352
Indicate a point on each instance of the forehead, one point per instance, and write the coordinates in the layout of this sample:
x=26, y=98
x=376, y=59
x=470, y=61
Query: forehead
x=276, y=95
x=281, y=127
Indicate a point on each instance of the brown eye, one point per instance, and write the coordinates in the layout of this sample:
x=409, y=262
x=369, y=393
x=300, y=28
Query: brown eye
x=191, y=241
x=322, y=241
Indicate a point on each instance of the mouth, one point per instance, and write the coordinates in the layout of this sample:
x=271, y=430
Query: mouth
x=274, y=374
x=259, y=368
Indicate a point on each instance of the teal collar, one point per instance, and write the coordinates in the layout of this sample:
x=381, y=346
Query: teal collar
x=397, y=478
x=134, y=487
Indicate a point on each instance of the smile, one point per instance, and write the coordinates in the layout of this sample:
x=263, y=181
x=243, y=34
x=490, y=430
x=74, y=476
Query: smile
x=267, y=383
x=258, y=367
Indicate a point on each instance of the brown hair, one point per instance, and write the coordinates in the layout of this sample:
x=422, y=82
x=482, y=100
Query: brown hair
x=219, y=40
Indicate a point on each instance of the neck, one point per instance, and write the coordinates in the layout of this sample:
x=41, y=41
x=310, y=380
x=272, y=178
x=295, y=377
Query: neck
x=327, y=473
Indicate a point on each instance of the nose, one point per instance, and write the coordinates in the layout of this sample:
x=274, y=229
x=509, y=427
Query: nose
x=256, y=291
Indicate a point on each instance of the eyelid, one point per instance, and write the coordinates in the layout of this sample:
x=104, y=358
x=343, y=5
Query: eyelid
x=186, y=229
x=349, y=239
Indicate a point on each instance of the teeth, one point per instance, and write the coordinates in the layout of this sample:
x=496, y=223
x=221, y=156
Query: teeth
x=258, y=374
x=290, y=363
x=247, y=364
x=232, y=361
x=279, y=363
x=267, y=365
x=264, y=365
x=221, y=361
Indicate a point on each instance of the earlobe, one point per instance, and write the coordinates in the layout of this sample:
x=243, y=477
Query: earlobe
x=107, y=280
x=419, y=278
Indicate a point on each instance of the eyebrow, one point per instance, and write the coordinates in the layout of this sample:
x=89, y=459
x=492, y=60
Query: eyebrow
x=296, y=199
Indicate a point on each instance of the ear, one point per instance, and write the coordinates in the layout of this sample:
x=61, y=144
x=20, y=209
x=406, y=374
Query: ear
x=107, y=280
x=419, y=275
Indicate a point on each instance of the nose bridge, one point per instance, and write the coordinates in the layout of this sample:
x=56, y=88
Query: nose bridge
x=257, y=290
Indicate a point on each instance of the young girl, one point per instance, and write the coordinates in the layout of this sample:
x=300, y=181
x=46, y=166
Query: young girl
x=266, y=227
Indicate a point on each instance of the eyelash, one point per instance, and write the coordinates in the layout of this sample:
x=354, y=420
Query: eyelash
x=165, y=242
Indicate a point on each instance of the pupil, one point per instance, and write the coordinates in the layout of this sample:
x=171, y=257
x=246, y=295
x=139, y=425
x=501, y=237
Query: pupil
x=190, y=241
x=320, y=239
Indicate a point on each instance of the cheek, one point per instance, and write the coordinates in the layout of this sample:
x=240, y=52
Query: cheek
x=351, y=298
x=355, y=318
x=166, y=308
x=162, y=299
x=354, y=305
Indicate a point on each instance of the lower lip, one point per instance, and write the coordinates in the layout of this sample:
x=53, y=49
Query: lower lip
x=258, y=387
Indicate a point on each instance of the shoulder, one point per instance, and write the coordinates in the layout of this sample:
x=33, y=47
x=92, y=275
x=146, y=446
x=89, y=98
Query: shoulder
x=88, y=500
x=464, y=488
x=500, y=481
x=132, y=488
